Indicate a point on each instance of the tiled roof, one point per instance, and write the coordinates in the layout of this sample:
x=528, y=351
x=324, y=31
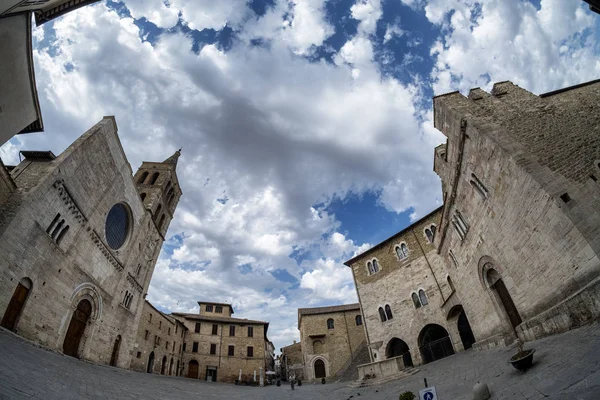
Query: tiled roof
x=219, y=319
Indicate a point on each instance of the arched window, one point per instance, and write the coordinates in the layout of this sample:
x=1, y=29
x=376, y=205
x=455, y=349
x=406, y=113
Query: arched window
x=154, y=178
x=423, y=297
x=126, y=296
x=402, y=251
x=157, y=212
x=415, y=300
x=162, y=220
x=450, y=283
x=382, y=316
x=388, y=312
x=330, y=323
x=57, y=229
x=429, y=235
x=143, y=177
x=370, y=267
x=168, y=186
x=358, y=320
x=143, y=196
x=62, y=234
x=433, y=230
x=375, y=266
x=139, y=268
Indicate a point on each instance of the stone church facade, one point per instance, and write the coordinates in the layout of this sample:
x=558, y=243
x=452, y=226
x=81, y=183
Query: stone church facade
x=515, y=249
x=79, y=238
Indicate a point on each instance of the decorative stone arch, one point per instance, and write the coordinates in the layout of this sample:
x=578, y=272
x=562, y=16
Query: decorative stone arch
x=406, y=254
x=317, y=346
x=485, y=264
x=396, y=347
x=312, y=366
x=419, y=290
x=85, y=291
x=415, y=296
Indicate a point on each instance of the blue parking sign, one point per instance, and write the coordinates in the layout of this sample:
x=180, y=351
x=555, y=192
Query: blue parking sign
x=428, y=394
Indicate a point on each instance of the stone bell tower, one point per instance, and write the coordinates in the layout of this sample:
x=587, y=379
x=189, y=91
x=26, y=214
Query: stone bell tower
x=159, y=190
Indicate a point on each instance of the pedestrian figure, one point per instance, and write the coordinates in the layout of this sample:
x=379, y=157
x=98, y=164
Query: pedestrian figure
x=292, y=382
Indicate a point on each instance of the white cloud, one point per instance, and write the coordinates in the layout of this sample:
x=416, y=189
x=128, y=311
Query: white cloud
x=157, y=12
x=392, y=31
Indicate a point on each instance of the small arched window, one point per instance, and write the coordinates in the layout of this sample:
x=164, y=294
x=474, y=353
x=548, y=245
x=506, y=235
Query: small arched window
x=139, y=269
x=126, y=296
x=62, y=234
x=157, y=213
x=375, y=266
x=154, y=178
x=143, y=196
x=370, y=267
x=402, y=251
x=358, y=320
x=415, y=300
x=162, y=221
x=429, y=235
x=330, y=323
x=423, y=297
x=450, y=283
x=382, y=316
x=433, y=230
x=388, y=312
x=143, y=177
x=169, y=184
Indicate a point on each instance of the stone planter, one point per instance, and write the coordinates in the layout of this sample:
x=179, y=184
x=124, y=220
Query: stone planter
x=522, y=360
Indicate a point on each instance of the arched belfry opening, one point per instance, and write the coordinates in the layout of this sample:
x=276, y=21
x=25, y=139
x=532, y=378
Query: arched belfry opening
x=398, y=347
x=498, y=289
x=434, y=343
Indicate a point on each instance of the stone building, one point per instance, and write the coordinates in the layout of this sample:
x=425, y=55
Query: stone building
x=520, y=226
x=79, y=238
x=18, y=95
x=402, y=285
x=331, y=339
x=158, y=347
x=292, y=361
x=220, y=348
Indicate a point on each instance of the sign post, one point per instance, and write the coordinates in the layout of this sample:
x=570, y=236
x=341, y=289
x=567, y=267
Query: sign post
x=428, y=394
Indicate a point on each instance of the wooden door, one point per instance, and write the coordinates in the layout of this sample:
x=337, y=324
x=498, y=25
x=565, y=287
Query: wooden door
x=319, y=369
x=115, y=354
x=193, y=369
x=77, y=328
x=150, y=363
x=509, y=306
x=15, y=307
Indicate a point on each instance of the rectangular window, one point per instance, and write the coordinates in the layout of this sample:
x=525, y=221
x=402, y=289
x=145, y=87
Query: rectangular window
x=209, y=308
x=195, y=347
x=197, y=328
x=184, y=347
x=250, y=351
x=214, y=329
x=478, y=186
x=147, y=335
x=176, y=329
x=250, y=331
x=230, y=350
x=213, y=348
x=231, y=330
x=180, y=348
x=159, y=325
x=150, y=319
x=169, y=331
x=155, y=340
x=139, y=354
x=219, y=309
x=167, y=345
x=173, y=346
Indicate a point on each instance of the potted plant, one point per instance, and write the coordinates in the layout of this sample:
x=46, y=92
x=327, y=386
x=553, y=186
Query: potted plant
x=407, y=396
x=523, y=359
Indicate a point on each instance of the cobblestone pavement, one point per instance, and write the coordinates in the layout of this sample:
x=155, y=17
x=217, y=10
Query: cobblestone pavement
x=566, y=366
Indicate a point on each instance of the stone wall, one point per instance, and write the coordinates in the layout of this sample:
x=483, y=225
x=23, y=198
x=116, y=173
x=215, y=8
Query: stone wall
x=336, y=346
x=523, y=172
x=292, y=361
x=159, y=337
x=394, y=284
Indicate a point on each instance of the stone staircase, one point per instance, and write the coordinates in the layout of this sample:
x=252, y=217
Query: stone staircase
x=378, y=381
x=349, y=372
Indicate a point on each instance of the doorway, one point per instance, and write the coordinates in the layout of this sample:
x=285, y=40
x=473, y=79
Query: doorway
x=163, y=366
x=434, y=343
x=150, y=367
x=464, y=329
x=320, y=369
x=16, y=304
x=193, y=368
x=398, y=347
x=496, y=283
x=115, y=353
x=76, y=328
x=211, y=374
x=171, y=367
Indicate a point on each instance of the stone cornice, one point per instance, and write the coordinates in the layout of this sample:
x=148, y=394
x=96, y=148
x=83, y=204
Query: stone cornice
x=105, y=251
x=67, y=199
x=135, y=283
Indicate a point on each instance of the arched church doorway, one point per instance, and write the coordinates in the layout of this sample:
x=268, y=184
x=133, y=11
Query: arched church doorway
x=16, y=304
x=193, y=369
x=496, y=284
x=434, y=343
x=76, y=328
x=320, y=369
x=115, y=353
x=163, y=366
x=398, y=347
x=150, y=367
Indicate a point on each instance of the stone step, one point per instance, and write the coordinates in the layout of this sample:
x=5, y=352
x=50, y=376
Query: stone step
x=384, y=379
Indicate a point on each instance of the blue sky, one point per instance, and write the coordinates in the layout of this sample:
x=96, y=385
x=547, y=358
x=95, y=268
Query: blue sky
x=306, y=126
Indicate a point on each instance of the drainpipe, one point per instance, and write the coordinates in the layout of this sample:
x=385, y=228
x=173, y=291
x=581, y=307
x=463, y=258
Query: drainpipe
x=431, y=269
